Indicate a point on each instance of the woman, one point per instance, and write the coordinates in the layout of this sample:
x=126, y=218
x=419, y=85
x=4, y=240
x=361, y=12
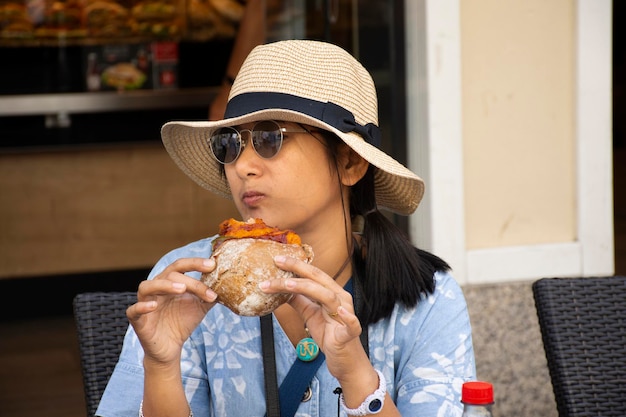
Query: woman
x=390, y=321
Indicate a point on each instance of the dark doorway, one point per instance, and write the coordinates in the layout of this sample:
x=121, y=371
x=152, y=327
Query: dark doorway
x=619, y=135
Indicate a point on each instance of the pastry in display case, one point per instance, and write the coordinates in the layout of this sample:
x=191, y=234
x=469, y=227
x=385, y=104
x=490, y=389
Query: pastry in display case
x=158, y=18
x=28, y=19
x=60, y=18
x=197, y=20
x=107, y=18
x=15, y=22
x=209, y=19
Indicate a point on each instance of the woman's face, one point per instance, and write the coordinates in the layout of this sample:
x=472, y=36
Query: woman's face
x=297, y=189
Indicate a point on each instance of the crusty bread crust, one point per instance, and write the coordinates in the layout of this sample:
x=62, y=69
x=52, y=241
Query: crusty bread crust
x=242, y=264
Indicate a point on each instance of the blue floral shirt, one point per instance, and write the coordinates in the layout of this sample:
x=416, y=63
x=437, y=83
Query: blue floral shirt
x=425, y=353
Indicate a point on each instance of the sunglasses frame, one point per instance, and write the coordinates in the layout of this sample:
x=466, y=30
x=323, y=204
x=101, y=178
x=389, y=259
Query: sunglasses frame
x=243, y=143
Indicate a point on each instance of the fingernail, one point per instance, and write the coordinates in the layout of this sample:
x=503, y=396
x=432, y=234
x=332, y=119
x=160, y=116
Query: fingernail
x=280, y=258
x=208, y=262
x=264, y=285
x=212, y=296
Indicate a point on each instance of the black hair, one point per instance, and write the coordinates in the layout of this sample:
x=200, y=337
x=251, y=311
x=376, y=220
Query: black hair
x=387, y=268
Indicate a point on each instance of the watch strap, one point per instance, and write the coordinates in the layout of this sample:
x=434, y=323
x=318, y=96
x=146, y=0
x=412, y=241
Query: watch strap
x=373, y=403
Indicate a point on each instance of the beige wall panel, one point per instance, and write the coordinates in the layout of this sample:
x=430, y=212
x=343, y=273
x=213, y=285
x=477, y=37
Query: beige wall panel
x=98, y=209
x=518, y=121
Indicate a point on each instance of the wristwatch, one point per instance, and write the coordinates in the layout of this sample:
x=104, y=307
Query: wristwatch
x=374, y=402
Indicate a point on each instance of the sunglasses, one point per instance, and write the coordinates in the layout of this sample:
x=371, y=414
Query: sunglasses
x=227, y=143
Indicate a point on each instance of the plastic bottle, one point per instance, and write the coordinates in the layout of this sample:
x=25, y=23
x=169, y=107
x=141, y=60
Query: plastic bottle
x=477, y=399
x=93, y=77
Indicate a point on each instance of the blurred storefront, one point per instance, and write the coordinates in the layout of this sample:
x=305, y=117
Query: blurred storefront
x=85, y=185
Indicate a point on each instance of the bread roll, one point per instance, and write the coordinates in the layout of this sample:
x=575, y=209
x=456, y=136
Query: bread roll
x=242, y=264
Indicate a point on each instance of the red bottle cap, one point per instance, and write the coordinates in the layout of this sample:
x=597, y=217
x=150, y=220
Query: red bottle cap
x=477, y=392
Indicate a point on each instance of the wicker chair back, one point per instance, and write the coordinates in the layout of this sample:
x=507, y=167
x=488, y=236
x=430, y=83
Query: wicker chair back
x=101, y=325
x=583, y=327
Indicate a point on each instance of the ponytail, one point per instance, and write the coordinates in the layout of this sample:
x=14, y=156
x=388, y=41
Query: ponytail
x=387, y=268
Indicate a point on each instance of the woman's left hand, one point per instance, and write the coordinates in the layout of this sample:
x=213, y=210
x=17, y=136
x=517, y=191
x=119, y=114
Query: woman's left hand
x=328, y=311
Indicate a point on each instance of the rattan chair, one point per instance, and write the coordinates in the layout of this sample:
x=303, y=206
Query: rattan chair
x=101, y=325
x=583, y=327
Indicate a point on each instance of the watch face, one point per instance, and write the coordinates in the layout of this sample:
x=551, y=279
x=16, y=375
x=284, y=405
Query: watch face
x=375, y=405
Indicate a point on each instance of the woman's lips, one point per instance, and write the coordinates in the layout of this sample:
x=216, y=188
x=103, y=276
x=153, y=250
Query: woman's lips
x=252, y=198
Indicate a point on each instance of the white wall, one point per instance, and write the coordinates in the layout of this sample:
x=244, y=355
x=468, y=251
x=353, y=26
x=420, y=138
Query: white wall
x=509, y=112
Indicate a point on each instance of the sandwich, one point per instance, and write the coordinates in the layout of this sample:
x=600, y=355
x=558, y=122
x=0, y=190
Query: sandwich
x=106, y=18
x=159, y=18
x=244, y=255
x=123, y=76
x=62, y=18
x=15, y=21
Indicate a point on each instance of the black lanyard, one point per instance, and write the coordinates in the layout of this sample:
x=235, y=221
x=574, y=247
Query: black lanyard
x=285, y=402
x=272, y=400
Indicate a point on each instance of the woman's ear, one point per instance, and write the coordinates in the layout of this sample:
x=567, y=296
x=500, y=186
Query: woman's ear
x=352, y=165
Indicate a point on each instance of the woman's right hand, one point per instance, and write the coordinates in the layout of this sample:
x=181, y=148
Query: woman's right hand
x=169, y=308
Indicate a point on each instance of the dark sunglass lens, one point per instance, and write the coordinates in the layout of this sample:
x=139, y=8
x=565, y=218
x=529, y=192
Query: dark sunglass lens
x=225, y=144
x=267, y=139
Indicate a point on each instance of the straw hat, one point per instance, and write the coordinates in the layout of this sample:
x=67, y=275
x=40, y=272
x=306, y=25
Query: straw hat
x=302, y=81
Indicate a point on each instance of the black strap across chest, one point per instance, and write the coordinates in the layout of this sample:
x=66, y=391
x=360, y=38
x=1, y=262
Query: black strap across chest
x=284, y=402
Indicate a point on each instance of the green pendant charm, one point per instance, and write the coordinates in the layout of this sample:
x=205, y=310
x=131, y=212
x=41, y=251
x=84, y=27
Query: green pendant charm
x=307, y=349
